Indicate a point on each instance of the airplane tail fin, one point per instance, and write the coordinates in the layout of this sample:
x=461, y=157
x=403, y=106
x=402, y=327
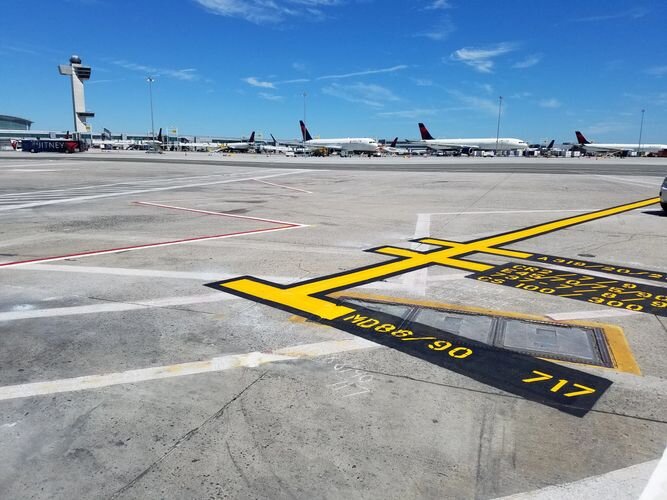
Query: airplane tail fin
x=393, y=143
x=252, y=137
x=426, y=135
x=551, y=144
x=581, y=139
x=304, y=132
x=275, y=143
x=159, y=135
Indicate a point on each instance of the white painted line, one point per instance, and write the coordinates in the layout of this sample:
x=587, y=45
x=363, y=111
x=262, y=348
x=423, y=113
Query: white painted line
x=130, y=181
x=583, y=210
x=140, y=191
x=610, y=313
x=656, y=489
x=56, y=312
x=623, y=180
x=32, y=170
x=149, y=273
x=416, y=281
x=25, y=163
x=222, y=363
x=281, y=186
x=623, y=483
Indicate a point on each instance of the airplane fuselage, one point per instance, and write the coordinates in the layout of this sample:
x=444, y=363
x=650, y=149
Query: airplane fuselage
x=619, y=148
x=488, y=144
x=351, y=144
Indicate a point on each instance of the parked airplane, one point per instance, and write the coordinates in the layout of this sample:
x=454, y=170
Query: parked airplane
x=486, y=144
x=239, y=146
x=198, y=146
x=346, y=145
x=540, y=149
x=274, y=147
x=394, y=150
x=617, y=148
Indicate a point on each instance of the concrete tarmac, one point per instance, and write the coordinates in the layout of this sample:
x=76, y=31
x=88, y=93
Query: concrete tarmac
x=123, y=376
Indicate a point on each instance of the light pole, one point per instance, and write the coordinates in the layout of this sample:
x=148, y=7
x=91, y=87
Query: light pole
x=641, y=129
x=150, y=81
x=500, y=107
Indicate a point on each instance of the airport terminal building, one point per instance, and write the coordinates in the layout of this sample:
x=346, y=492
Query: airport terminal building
x=14, y=123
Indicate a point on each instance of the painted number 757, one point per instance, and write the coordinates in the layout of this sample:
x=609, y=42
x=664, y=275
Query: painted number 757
x=560, y=384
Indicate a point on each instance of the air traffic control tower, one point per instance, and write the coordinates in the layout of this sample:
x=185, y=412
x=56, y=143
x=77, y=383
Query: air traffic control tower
x=78, y=73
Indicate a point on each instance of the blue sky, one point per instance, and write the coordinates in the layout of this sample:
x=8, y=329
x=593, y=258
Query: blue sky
x=369, y=67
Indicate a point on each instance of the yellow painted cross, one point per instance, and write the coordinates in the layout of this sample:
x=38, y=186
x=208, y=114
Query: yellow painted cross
x=308, y=297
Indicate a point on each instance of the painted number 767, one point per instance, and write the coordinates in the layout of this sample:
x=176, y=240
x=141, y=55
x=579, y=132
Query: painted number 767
x=560, y=384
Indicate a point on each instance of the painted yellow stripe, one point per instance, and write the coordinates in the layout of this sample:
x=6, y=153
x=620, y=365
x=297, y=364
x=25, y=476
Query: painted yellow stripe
x=495, y=251
x=300, y=297
x=531, y=232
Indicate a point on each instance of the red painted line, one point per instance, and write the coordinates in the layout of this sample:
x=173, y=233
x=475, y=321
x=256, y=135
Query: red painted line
x=223, y=214
x=282, y=186
x=283, y=225
x=148, y=245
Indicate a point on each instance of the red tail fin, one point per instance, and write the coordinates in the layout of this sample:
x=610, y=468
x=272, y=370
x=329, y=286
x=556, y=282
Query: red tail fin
x=426, y=136
x=580, y=138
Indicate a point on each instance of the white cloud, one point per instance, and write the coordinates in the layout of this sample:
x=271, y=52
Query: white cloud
x=489, y=106
x=605, y=127
x=364, y=73
x=301, y=67
x=295, y=80
x=411, y=114
x=270, y=97
x=636, y=13
x=255, y=82
x=267, y=11
x=440, y=31
x=364, y=93
x=187, y=74
x=423, y=82
x=657, y=70
x=438, y=5
x=481, y=59
x=529, y=61
x=551, y=103
x=486, y=87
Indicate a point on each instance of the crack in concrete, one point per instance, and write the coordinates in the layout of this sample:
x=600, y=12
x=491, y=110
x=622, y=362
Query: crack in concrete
x=186, y=437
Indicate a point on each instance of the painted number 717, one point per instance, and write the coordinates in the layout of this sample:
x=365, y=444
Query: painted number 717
x=560, y=384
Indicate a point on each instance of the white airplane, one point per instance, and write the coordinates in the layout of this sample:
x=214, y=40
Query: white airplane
x=239, y=146
x=112, y=143
x=485, y=144
x=392, y=149
x=617, y=148
x=275, y=147
x=195, y=146
x=346, y=145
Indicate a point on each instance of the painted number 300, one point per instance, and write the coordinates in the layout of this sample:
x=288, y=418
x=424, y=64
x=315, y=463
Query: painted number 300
x=560, y=384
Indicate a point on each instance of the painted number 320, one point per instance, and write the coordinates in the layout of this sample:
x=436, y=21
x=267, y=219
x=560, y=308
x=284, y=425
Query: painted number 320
x=560, y=384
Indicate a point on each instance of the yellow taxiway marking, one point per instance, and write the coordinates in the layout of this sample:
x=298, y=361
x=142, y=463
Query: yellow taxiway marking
x=303, y=297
